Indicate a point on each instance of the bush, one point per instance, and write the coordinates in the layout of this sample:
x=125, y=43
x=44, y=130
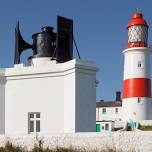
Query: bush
x=9, y=147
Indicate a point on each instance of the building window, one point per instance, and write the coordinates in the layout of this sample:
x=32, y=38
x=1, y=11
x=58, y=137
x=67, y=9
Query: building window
x=116, y=110
x=33, y=122
x=104, y=110
x=134, y=113
x=106, y=126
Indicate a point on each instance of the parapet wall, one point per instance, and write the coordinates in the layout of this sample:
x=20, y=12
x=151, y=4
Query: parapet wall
x=119, y=141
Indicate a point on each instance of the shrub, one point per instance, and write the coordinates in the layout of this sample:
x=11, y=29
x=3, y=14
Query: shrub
x=9, y=147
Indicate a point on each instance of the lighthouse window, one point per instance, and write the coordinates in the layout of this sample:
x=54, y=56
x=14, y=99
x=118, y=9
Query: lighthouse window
x=139, y=100
x=140, y=64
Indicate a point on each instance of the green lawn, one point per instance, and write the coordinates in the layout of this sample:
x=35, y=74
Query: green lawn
x=145, y=128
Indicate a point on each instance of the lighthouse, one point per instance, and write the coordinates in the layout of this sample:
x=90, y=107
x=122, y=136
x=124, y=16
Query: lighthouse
x=137, y=101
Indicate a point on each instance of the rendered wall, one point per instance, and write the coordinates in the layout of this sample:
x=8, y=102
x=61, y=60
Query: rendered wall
x=43, y=94
x=80, y=98
x=69, y=103
x=132, y=56
x=118, y=141
x=54, y=91
x=85, y=94
x=136, y=111
x=109, y=115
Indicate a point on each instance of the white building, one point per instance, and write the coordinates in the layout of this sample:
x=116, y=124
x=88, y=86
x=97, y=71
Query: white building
x=108, y=113
x=48, y=97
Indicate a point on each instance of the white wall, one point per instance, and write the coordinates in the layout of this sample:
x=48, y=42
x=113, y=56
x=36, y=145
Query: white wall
x=54, y=91
x=34, y=95
x=85, y=104
x=118, y=141
x=132, y=57
x=109, y=115
x=69, y=103
x=132, y=110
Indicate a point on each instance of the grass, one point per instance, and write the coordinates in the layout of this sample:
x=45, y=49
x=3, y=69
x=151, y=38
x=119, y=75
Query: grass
x=9, y=147
x=145, y=128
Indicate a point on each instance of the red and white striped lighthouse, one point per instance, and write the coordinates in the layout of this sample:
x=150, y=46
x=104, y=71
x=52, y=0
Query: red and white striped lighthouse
x=137, y=102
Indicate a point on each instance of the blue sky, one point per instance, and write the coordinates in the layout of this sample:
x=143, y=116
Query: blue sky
x=99, y=29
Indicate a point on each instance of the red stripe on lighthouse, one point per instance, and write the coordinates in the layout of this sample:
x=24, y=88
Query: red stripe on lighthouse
x=137, y=44
x=137, y=87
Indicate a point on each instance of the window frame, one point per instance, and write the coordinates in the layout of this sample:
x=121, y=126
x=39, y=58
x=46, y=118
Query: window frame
x=116, y=110
x=140, y=64
x=104, y=111
x=34, y=120
x=107, y=126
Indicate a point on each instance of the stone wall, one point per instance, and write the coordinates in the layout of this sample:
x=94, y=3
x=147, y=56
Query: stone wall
x=119, y=141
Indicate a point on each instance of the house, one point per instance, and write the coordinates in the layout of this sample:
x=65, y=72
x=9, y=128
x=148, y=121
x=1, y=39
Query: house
x=48, y=97
x=108, y=112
